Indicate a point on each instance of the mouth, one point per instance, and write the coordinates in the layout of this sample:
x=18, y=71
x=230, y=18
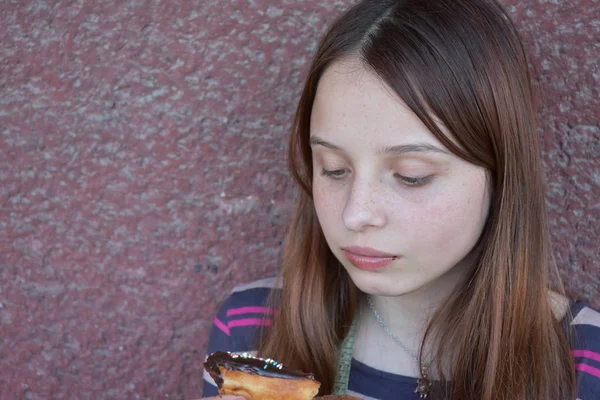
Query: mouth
x=368, y=259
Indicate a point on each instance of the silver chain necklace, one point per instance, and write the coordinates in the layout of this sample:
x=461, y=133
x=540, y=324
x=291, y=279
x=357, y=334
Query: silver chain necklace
x=423, y=383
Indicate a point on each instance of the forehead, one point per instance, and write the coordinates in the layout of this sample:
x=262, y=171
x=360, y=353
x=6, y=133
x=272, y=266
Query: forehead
x=352, y=102
x=347, y=83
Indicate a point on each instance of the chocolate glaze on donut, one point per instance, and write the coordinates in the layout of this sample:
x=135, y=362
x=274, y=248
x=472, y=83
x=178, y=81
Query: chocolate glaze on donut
x=245, y=362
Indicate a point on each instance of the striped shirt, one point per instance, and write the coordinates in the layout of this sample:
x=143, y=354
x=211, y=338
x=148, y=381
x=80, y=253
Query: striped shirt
x=238, y=322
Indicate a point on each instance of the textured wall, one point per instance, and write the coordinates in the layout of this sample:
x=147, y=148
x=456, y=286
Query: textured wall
x=142, y=175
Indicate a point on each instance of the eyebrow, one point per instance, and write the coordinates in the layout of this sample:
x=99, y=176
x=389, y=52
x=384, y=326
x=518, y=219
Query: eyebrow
x=394, y=150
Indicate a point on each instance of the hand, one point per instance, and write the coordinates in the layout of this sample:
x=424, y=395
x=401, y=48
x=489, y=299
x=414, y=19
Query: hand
x=224, y=397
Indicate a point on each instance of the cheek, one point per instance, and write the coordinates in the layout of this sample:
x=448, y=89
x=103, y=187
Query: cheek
x=453, y=224
x=327, y=204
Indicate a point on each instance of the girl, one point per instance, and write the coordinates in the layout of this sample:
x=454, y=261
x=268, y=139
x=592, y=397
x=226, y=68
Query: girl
x=417, y=263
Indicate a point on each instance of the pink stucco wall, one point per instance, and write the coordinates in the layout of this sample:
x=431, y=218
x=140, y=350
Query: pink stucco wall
x=143, y=175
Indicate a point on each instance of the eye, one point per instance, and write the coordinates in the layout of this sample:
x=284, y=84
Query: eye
x=413, y=182
x=335, y=174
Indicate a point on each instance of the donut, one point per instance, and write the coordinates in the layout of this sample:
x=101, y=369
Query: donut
x=258, y=378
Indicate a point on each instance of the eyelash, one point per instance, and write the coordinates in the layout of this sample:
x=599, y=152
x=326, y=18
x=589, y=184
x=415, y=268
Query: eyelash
x=408, y=181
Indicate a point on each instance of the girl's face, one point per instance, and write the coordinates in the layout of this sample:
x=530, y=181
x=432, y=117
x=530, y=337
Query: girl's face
x=383, y=181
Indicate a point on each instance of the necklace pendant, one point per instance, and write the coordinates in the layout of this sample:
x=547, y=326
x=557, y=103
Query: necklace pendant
x=422, y=388
x=423, y=384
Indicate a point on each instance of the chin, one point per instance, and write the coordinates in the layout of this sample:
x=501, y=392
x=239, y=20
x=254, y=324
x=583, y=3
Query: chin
x=380, y=283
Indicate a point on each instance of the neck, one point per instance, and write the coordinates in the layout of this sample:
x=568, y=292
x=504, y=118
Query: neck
x=408, y=315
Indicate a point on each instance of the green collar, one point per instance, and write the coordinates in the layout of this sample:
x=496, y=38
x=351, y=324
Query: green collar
x=345, y=357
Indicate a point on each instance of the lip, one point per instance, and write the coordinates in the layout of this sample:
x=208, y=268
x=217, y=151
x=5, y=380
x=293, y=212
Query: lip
x=367, y=252
x=367, y=258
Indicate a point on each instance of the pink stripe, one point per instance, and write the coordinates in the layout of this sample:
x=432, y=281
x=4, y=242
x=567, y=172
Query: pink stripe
x=221, y=326
x=586, y=354
x=248, y=322
x=589, y=369
x=249, y=310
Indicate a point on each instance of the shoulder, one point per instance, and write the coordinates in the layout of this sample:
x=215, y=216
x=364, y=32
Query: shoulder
x=585, y=348
x=247, y=304
x=243, y=311
x=585, y=324
x=250, y=298
x=256, y=287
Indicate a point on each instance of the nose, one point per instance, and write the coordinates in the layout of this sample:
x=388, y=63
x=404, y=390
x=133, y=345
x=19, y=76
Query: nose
x=362, y=210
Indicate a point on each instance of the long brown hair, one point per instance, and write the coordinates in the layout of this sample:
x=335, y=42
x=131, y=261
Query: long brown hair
x=461, y=63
